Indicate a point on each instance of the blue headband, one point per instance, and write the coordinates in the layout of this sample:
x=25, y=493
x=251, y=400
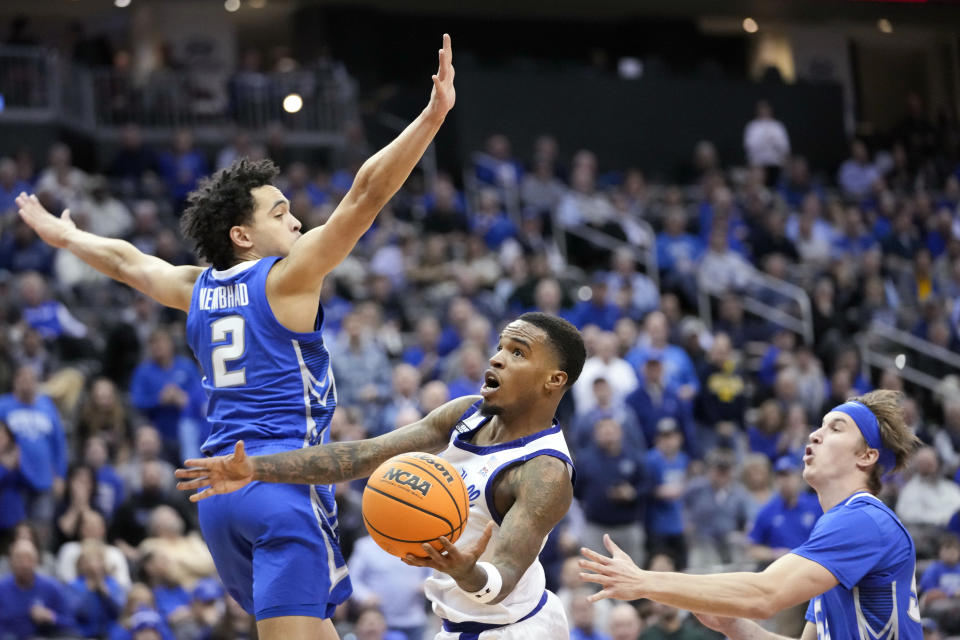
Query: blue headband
x=870, y=428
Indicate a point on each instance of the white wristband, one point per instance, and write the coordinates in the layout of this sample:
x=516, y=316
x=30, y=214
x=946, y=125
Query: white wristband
x=491, y=589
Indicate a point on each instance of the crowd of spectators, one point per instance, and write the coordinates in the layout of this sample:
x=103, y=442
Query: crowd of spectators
x=687, y=437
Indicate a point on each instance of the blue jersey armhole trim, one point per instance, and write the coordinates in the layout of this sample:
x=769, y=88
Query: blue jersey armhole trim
x=488, y=491
x=266, y=310
x=461, y=443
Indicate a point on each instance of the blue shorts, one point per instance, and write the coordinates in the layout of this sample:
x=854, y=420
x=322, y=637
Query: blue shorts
x=277, y=550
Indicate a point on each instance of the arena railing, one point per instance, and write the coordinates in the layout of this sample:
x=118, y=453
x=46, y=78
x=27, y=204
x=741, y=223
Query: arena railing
x=756, y=298
x=29, y=77
x=645, y=254
x=882, y=346
x=39, y=86
x=509, y=193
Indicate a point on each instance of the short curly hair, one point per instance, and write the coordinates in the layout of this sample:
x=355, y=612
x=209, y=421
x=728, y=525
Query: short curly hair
x=221, y=202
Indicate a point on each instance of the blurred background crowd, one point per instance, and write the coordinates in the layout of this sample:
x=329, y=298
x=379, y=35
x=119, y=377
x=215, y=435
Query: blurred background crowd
x=726, y=306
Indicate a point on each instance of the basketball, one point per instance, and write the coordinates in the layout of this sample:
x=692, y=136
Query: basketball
x=414, y=498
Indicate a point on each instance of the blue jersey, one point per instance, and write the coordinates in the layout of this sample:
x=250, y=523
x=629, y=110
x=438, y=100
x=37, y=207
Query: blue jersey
x=269, y=386
x=867, y=549
x=783, y=527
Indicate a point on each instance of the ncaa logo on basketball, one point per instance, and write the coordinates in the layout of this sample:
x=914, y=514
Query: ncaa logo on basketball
x=401, y=477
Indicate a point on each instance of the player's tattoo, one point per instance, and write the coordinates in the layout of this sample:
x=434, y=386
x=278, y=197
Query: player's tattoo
x=342, y=461
x=543, y=493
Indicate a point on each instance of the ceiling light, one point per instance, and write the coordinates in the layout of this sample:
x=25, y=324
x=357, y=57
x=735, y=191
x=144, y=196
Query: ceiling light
x=292, y=103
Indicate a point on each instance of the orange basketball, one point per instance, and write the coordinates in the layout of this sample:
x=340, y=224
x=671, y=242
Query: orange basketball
x=414, y=498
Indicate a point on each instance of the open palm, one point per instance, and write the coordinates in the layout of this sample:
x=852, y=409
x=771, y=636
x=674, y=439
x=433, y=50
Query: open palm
x=444, y=95
x=216, y=475
x=50, y=228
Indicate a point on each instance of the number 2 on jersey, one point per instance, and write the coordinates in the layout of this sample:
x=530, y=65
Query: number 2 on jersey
x=229, y=330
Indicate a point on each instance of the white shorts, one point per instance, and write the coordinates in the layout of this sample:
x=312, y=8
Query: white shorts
x=550, y=623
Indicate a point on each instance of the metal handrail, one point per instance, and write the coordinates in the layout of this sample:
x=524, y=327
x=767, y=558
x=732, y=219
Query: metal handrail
x=802, y=325
x=39, y=86
x=790, y=290
x=881, y=361
x=511, y=194
x=646, y=254
x=925, y=347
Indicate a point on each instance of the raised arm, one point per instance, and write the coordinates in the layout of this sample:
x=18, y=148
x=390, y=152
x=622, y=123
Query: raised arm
x=543, y=495
x=789, y=581
x=325, y=464
x=323, y=248
x=169, y=285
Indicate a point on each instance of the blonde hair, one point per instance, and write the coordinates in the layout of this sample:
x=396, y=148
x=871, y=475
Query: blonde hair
x=896, y=435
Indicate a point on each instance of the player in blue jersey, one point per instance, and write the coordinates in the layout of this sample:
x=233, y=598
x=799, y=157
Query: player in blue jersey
x=856, y=568
x=254, y=321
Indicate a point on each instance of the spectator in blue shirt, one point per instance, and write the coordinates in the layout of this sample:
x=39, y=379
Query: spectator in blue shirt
x=490, y=221
x=10, y=187
x=109, y=492
x=13, y=484
x=95, y=596
x=953, y=526
x=21, y=250
x=853, y=240
x=173, y=601
x=680, y=374
x=634, y=290
x=678, y=253
x=143, y=624
x=940, y=585
x=607, y=406
x=796, y=183
x=182, y=167
x=667, y=465
x=654, y=400
x=611, y=485
x=597, y=310
x=424, y=353
x=161, y=387
x=497, y=167
x=31, y=604
x=787, y=520
x=472, y=363
x=857, y=174
x=51, y=318
x=766, y=434
x=35, y=423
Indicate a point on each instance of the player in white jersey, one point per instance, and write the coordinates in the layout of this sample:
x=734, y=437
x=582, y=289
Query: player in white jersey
x=515, y=464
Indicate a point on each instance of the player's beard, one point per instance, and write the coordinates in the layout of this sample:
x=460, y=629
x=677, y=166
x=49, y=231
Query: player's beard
x=490, y=410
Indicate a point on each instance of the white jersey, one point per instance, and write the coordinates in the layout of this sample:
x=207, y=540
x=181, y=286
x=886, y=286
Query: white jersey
x=479, y=467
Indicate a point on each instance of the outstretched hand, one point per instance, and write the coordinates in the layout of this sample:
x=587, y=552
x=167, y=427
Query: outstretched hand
x=456, y=563
x=619, y=576
x=444, y=95
x=219, y=474
x=50, y=228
